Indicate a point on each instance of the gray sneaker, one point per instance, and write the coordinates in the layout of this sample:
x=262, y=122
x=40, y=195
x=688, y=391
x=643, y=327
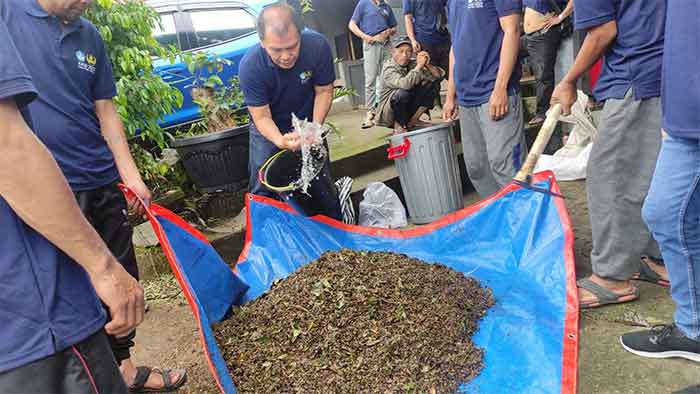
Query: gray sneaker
x=661, y=342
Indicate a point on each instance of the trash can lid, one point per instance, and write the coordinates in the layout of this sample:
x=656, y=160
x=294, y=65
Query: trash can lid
x=400, y=137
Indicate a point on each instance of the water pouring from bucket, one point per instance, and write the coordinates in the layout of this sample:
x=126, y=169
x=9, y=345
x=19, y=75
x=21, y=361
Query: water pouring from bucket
x=302, y=178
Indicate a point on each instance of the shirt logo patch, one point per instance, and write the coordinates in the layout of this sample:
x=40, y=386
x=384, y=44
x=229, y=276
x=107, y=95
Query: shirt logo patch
x=305, y=76
x=86, y=62
x=475, y=3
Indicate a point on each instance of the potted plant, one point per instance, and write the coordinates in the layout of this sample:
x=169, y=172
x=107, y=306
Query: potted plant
x=214, y=150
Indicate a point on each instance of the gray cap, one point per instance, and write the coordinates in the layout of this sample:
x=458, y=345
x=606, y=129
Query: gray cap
x=400, y=40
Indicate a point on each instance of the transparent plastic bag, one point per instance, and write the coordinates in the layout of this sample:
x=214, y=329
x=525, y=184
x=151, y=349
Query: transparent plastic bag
x=313, y=151
x=381, y=207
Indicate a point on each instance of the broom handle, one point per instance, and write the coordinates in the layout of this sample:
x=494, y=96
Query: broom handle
x=543, y=137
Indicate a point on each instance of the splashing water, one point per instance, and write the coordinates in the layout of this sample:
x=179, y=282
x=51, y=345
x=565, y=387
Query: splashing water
x=313, y=151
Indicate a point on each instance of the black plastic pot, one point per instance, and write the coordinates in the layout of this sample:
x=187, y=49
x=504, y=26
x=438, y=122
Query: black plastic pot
x=217, y=161
x=281, y=172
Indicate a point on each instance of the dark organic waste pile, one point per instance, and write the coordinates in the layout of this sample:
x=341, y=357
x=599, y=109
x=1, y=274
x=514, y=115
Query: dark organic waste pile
x=358, y=322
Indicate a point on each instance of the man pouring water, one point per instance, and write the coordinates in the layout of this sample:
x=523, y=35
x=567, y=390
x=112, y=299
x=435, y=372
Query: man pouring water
x=290, y=72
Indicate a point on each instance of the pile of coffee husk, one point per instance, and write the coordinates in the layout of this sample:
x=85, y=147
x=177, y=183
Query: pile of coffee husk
x=358, y=322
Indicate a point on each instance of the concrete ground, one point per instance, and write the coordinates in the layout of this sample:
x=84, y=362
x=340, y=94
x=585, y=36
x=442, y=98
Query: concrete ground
x=169, y=336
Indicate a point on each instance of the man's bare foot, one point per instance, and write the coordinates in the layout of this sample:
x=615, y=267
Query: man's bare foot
x=155, y=379
x=624, y=290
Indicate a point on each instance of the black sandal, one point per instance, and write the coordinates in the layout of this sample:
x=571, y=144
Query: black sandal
x=647, y=274
x=143, y=373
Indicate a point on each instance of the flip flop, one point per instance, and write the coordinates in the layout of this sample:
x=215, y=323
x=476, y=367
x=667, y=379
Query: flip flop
x=604, y=296
x=647, y=274
x=142, y=374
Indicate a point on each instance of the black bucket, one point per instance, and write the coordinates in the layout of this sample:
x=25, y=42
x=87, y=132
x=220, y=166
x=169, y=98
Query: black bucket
x=280, y=173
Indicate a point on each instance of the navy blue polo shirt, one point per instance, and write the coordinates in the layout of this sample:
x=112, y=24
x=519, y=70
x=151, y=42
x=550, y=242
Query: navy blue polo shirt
x=71, y=70
x=287, y=91
x=425, y=19
x=681, y=70
x=476, y=41
x=545, y=6
x=634, y=59
x=373, y=19
x=47, y=303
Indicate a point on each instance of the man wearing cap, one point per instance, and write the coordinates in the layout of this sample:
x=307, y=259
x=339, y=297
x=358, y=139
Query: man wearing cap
x=485, y=82
x=629, y=34
x=426, y=26
x=290, y=72
x=53, y=324
x=408, y=87
x=374, y=22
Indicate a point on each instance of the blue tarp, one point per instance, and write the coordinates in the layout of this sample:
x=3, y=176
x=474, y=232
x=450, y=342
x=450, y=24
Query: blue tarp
x=519, y=243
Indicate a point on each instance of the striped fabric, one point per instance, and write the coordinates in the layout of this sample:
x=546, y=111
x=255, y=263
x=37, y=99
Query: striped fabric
x=344, y=186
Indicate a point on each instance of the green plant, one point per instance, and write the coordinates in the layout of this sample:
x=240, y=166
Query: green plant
x=306, y=6
x=160, y=176
x=143, y=97
x=218, y=102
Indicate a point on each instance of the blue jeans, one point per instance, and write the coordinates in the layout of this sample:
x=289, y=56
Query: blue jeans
x=260, y=150
x=672, y=212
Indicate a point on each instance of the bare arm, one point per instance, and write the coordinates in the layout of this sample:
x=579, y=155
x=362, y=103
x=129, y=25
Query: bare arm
x=359, y=33
x=594, y=46
x=262, y=117
x=113, y=132
x=449, y=109
x=408, y=18
x=509, y=56
x=45, y=202
x=322, y=102
x=566, y=12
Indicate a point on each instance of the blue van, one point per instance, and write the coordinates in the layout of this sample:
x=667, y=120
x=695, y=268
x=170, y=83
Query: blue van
x=223, y=27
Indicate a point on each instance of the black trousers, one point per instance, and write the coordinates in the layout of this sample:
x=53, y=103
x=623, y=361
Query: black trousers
x=405, y=103
x=543, y=50
x=106, y=209
x=86, y=368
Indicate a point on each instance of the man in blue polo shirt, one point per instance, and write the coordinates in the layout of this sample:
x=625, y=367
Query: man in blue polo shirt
x=290, y=72
x=426, y=27
x=75, y=118
x=485, y=82
x=374, y=22
x=672, y=208
x=630, y=34
x=53, y=325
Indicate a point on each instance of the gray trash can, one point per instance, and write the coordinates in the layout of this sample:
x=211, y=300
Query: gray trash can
x=426, y=161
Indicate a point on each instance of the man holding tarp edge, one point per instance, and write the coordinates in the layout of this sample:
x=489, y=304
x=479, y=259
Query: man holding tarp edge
x=53, y=325
x=75, y=117
x=630, y=34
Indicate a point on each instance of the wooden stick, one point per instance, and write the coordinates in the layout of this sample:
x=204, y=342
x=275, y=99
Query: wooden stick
x=543, y=137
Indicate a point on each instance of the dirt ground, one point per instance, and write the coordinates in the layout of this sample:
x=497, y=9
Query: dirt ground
x=169, y=335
